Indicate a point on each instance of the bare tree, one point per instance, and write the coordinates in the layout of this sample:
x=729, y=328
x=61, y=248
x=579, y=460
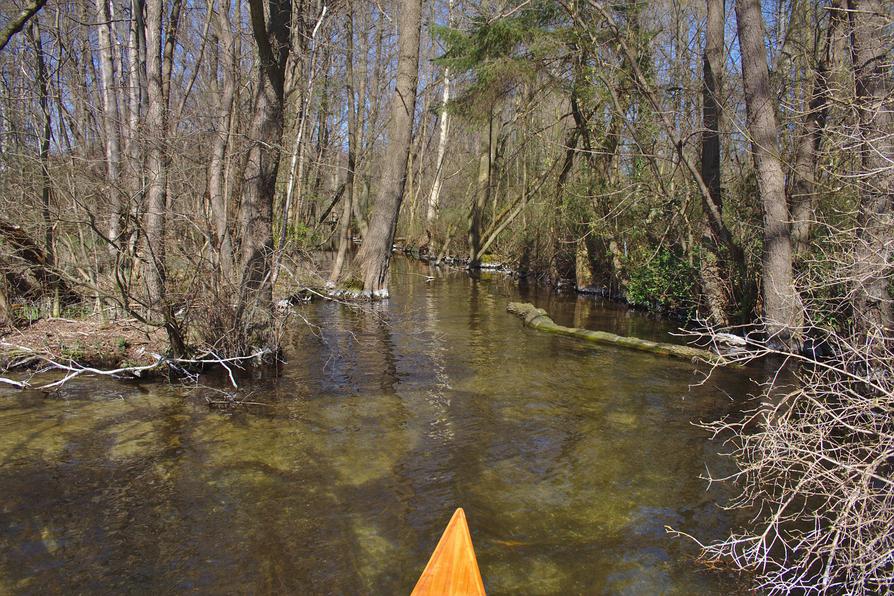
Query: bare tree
x=43, y=82
x=226, y=95
x=295, y=177
x=872, y=61
x=711, y=269
x=271, y=35
x=375, y=254
x=344, y=222
x=111, y=121
x=434, y=196
x=802, y=193
x=156, y=170
x=782, y=310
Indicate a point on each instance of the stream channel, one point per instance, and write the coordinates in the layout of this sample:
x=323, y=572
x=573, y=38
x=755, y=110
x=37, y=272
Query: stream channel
x=569, y=459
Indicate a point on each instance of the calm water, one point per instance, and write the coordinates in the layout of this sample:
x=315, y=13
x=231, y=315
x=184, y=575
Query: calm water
x=568, y=459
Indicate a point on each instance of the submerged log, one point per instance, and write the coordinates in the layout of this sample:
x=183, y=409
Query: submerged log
x=538, y=319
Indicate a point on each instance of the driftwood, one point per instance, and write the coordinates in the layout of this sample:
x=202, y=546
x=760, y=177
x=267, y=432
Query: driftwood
x=538, y=319
x=72, y=369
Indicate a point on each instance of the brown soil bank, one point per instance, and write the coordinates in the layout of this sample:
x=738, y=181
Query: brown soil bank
x=89, y=342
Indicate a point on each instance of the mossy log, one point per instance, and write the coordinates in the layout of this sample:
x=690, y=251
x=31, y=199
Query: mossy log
x=538, y=319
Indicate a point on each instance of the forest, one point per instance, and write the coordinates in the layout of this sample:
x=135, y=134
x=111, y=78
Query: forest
x=730, y=165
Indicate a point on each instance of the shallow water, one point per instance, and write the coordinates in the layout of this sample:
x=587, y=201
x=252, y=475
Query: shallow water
x=569, y=460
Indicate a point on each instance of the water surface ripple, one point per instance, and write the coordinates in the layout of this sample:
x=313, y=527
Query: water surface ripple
x=568, y=459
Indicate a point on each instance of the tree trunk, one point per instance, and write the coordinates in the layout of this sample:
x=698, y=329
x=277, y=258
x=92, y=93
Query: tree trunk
x=156, y=170
x=299, y=151
x=296, y=164
x=434, y=198
x=801, y=194
x=782, y=312
x=478, y=201
x=482, y=192
x=712, y=262
x=344, y=222
x=259, y=179
x=43, y=83
x=375, y=254
x=871, y=55
x=217, y=166
x=137, y=100
x=111, y=122
x=170, y=42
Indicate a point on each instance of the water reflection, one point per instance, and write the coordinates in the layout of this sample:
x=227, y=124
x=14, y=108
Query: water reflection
x=568, y=458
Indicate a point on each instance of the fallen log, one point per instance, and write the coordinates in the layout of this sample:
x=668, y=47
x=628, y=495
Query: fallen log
x=538, y=319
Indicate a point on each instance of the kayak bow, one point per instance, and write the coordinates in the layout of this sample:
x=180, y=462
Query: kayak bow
x=453, y=568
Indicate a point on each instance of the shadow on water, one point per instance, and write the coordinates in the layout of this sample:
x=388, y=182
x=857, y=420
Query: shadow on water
x=569, y=460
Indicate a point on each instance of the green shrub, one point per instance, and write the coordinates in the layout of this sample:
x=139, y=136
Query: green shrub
x=661, y=282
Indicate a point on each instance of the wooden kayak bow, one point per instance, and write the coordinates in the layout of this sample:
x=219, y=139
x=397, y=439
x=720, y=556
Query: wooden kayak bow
x=453, y=568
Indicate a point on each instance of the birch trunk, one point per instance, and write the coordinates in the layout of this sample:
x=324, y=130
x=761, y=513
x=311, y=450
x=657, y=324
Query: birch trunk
x=434, y=197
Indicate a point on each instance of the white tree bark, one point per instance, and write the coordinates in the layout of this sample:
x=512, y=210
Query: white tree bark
x=111, y=120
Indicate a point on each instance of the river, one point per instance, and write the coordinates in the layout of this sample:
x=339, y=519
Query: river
x=569, y=459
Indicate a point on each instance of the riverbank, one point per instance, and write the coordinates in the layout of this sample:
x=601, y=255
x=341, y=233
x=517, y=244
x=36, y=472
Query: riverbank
x=88, y=342
x=127, y=343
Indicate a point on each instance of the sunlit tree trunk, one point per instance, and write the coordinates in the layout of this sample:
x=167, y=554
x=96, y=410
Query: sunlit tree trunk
x=136, y=98
x=111, y=121
x=782, y=310
x=434, y=197
x=170, y=43
x=156, y=170
x=375, y=254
